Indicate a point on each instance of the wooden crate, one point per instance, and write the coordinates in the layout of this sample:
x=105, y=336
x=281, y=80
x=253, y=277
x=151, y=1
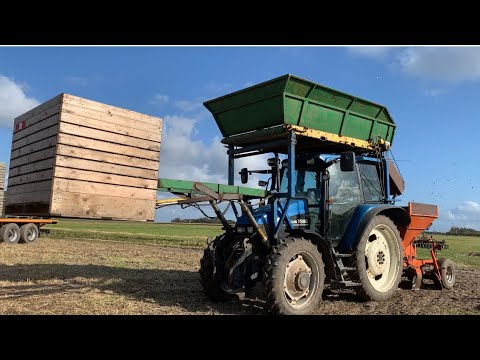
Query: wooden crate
x=73, y=157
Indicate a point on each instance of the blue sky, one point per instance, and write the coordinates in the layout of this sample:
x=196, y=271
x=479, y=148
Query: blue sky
x=432, y=94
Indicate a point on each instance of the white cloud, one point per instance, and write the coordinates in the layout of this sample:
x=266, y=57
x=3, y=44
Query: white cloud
x=466, y=214
x=441, y=63
x=77, y=81
x=376, y=52
x=434, y=92
x=13, y=101
x=159, y=99
x=184, y=157
x=188, y=105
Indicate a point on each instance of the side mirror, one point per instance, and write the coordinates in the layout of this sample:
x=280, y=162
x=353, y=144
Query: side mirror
x=262, y=183
x=347, y=161
x=244, y=175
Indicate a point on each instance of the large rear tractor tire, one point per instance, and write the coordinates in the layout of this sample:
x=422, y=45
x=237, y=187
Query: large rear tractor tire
x=10, y=234
x=447, y=270
x=378, y=259
x=210, y=282
x=28, y=233
x=294, y=277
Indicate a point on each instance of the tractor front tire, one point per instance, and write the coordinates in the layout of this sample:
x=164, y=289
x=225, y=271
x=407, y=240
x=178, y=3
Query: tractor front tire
x=294, y=277
x=210, y=283
x=447, y=271
x=378, y=260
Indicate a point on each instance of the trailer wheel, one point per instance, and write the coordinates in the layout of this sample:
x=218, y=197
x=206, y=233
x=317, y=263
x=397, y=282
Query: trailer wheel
x=210, y=282
x=294, y=277
x=28, y=233
x=378, y=259
x=447, y=270
x=10, y=234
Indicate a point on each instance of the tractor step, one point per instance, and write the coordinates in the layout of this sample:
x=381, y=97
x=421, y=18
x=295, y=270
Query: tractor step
x=338, y=255
x=343, y=284
x=347, y=268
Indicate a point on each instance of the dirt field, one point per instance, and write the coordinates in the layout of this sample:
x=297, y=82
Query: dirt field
x=94, y=277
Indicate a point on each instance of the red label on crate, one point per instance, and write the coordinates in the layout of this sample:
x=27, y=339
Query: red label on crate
x=21, y=125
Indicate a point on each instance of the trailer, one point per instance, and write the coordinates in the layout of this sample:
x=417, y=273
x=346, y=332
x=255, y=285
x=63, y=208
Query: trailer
x=22, y=229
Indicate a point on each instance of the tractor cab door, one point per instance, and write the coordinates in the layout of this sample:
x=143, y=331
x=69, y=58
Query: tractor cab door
x=344, y=197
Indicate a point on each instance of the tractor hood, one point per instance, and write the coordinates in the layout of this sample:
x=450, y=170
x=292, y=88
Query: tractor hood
x=263, y=214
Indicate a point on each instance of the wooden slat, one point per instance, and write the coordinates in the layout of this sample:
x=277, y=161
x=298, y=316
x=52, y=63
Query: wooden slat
x=33, y=167
x=72, y=140
x=98, y=206
x=40, y=145
x=98, y=177
x=110, y=109
x=40, y=125
x=104, y=167
x=42, y=134
x=143, y=130
x=38, y=186
x=30, y=158
x=77, y=130
x=106, y=157
x=39, y=109
x=122, y=130
x=32, y=177
x=86, y=187
x=28, y=197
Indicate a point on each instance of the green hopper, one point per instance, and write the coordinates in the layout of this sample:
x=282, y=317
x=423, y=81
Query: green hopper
x=268, y=110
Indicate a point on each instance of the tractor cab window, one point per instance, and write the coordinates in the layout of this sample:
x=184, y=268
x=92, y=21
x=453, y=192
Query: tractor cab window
x=344, y=196
x=372, y=189
x=307, y=184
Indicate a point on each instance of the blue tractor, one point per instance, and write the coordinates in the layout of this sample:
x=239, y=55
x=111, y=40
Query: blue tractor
x=328, y=216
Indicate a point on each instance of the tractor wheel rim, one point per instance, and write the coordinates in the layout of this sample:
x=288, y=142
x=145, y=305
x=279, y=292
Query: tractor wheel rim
x=449, y=274
x=381, y=257
x=301, y=280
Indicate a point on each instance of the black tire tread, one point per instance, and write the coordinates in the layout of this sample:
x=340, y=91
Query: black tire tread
x=275, y=301
x=210, y=284
x=365, y=291
x=442, y=263
x=23, y=233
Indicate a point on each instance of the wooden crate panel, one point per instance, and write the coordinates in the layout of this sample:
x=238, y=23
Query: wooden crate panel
x=108, y=137
x=32, y=157
x=110, y=110
x=71, y=204
x=72, y=140
x=98, y=120
x=41, y=123
x=32, y=167
x=109, y=168
x=87, y=187
x=38, y=186
x=33, y=138
x=30, y=178
x=39, y=145
x=100, y=177
x=106, y=157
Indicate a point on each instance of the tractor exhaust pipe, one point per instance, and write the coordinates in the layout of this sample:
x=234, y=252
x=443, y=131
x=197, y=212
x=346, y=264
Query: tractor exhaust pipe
x=254, y=223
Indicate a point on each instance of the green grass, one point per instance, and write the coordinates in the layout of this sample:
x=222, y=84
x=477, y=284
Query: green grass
x=461, y=250
x=148, y=233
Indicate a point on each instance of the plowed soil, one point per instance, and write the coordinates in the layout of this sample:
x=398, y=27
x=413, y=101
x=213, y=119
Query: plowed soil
x=94, y=277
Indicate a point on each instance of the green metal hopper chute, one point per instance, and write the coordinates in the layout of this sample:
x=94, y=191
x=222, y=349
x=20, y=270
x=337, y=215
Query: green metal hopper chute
x=268, y=110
